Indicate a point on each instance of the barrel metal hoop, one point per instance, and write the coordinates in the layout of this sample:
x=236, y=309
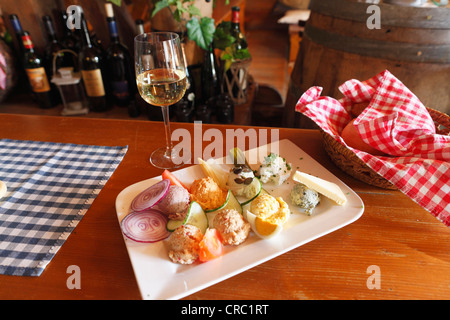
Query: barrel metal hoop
x=380, y=49
x=391, y=15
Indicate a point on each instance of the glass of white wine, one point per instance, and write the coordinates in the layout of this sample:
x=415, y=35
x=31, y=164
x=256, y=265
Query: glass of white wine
x=161, y=81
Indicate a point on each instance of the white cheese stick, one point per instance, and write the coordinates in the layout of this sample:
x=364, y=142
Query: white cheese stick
x=328, y=189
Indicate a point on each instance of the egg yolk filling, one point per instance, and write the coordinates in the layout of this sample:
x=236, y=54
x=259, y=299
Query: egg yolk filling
x=270, y=213
x=264, y=227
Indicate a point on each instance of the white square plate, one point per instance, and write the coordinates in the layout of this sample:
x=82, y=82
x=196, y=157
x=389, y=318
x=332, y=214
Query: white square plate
x=159, y=278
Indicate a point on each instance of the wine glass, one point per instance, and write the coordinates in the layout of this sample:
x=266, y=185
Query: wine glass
x=161, y=81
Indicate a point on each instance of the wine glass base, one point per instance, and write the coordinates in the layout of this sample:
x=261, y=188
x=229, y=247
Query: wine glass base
x=161, y=160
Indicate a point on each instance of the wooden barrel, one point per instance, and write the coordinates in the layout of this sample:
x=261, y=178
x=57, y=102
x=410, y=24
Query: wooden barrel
x=413, y=43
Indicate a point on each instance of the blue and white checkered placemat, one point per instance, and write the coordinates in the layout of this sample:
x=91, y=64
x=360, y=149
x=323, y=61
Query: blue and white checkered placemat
x=50, y=188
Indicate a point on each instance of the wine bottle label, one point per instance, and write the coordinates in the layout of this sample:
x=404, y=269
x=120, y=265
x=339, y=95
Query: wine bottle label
x=113, y=29
x=235, y=16
x=93, y=82
x=120, y=89
x=27, y=42
x=38, y=79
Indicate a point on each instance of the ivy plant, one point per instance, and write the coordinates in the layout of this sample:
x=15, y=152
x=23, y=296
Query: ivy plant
x=199, y=29
x=224, y=41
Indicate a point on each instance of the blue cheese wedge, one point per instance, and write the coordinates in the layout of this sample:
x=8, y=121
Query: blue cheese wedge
x=324, y=187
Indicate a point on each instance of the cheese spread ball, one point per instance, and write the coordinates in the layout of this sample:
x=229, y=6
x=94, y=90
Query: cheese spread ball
x=175, y=203
x=240, y=180
x=274, y=169
x=208, y=194
x=264, y=205
x=304, y=197
x=271, y=209
x=231, y=226
x=183, y=244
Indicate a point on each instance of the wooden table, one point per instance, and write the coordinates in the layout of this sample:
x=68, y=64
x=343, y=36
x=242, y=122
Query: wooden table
x=410, y=247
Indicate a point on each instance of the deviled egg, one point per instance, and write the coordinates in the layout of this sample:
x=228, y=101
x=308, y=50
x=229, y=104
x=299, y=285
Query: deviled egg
x=267, y=215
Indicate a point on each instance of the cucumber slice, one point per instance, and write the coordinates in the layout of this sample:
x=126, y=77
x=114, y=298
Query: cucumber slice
x=195, y=216
x=230, y=203
x=172, y=225
x=257, y=185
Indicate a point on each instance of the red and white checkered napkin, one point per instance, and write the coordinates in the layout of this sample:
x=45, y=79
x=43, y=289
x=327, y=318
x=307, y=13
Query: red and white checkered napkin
x=396, y=122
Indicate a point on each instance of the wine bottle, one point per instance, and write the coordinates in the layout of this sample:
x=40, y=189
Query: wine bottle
x=53, y=49
x=34, y=68
x=91, y=65
x=241, y=41
x=224, y=108
x=118, y=61
x=15, y=22
x=96, y=42
x=139, y=103
x=139, y=26
x=53, y=46
x=185, y=108
x=70, y=39
x=209, y=77
x=189, y=96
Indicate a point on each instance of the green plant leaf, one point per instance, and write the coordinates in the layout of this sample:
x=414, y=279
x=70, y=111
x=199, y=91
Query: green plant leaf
x=159, y=5
x=180, y=7
x=242, y=54
x=193, y=10
x=222, y=37
x=116, y=2
x=202, y=32
x=227, y=54
x=177, y=15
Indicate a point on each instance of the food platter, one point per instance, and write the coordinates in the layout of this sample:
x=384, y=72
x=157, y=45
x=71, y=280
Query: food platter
x=160, y=279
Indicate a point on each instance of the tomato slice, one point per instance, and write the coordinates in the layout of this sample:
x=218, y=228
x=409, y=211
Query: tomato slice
x=173, y=180
x=211, y=246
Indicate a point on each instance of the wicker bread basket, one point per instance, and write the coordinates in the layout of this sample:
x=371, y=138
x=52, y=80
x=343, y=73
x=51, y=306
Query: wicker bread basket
x=349, y=162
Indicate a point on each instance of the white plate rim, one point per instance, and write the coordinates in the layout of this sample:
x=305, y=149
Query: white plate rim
x=179, y=284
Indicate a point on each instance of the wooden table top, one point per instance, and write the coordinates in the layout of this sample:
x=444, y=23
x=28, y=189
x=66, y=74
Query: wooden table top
x=408, y=245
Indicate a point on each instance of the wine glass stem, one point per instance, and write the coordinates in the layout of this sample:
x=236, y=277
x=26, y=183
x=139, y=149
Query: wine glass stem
x=165, y=112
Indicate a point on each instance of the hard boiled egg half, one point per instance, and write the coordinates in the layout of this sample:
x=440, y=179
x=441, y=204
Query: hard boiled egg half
x=263, y=228
x=267, y=215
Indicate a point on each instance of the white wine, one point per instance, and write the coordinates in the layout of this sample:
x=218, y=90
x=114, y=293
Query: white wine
x=162, y=87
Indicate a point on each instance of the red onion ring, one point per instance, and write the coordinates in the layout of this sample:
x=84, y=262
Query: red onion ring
x=145, y=226
x=150, y=196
